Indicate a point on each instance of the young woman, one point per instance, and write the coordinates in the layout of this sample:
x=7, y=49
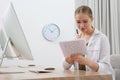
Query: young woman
x=98, y=57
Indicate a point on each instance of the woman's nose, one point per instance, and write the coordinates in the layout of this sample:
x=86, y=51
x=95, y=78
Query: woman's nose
x=82, y=25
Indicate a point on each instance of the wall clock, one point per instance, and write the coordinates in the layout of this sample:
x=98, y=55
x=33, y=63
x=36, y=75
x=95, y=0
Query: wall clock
x=51, y=32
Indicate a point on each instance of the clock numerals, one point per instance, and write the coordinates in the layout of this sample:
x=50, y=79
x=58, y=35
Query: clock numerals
x=51, y=32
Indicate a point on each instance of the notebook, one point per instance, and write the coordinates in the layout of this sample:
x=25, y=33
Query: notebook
x=73, y=46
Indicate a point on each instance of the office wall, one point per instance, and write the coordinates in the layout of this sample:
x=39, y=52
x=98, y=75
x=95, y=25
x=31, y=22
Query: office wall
x=3, y=7
x=33, y=16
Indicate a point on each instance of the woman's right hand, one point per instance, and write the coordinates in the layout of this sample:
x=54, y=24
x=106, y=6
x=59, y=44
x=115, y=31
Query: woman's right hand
x=69, y=60
x=78, y=36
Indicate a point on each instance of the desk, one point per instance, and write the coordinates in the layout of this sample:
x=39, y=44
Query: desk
x=54, y=75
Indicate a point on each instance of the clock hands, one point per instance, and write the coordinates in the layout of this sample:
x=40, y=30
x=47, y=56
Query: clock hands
x=52, y=30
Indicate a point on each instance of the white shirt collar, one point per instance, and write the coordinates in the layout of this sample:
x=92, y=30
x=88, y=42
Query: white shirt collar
x=96, y=31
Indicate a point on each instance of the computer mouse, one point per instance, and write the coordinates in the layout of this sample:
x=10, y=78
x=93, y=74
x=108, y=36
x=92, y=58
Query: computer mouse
x=49, y=68
x=31, y=65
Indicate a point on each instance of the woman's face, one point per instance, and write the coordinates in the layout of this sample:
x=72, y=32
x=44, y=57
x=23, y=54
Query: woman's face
x=83, y=22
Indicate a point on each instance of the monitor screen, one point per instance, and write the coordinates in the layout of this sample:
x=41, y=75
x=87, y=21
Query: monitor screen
x=14, y=32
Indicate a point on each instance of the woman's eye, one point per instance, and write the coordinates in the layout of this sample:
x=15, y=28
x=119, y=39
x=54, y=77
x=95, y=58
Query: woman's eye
x=85, y=21
x=78, y=21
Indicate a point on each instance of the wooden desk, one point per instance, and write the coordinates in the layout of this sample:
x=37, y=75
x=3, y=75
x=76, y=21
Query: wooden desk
x=54, y=75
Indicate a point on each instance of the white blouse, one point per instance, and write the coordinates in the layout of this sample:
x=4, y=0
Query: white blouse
x=99, y=51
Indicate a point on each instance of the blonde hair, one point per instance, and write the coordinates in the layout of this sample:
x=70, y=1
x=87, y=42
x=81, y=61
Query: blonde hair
x=84, y=9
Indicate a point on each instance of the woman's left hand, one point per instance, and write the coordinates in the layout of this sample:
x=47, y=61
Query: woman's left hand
x=79, y=58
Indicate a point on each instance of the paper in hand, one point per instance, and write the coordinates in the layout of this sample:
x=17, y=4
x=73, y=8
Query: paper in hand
x=73, y=46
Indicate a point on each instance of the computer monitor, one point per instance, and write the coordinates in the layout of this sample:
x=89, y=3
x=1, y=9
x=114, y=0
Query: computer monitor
x=15, y=34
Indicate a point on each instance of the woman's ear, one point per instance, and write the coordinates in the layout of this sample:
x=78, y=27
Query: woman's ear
x=92, y=18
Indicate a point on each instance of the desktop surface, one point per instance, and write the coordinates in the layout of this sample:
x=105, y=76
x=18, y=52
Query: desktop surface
x=52, y=75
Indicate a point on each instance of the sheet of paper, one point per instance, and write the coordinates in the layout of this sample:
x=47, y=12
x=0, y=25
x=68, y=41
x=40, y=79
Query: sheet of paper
x=73, y=46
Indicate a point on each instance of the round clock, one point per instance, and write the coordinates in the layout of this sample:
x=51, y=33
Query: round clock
x=51, y=32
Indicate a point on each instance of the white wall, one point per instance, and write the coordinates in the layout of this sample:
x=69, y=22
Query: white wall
x=3, y=6
x=33, y=15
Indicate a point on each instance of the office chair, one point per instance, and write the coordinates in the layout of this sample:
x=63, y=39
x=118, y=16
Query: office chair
x=115, y=62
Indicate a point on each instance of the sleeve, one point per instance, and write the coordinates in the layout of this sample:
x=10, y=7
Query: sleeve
x=104, y=59
x=66, y=65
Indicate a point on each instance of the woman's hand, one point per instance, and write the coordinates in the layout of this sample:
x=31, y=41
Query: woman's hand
x=85, y=61
x=69, y=60
x=78, y=36
x=79, y=58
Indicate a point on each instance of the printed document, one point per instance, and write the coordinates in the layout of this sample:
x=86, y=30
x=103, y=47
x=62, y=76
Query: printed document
x=73, y=46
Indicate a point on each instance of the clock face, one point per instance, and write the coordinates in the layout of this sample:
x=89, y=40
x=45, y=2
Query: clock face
x=51, y=32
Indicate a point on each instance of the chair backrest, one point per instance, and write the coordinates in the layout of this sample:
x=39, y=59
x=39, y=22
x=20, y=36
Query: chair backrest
x=115, y=62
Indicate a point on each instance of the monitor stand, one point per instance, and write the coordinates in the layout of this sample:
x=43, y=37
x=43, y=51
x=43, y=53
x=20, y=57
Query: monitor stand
x=4, y=51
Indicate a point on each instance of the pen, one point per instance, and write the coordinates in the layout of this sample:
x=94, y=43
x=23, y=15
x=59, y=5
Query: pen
x=77, y=31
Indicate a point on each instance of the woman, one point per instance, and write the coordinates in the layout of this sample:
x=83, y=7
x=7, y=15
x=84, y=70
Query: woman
x=98, y=57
